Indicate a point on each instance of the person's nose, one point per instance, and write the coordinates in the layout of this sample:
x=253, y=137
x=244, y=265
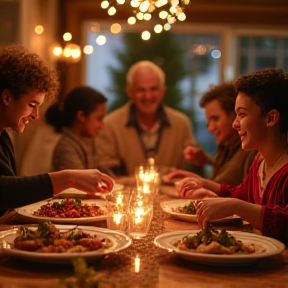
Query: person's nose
x=35, y=113
x=100, y=125
x=236, y=124
x=210, y=127
x=149, y=94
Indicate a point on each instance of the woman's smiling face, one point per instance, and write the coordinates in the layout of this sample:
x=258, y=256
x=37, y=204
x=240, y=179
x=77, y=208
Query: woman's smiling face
x=250, y=123
x=23, y=110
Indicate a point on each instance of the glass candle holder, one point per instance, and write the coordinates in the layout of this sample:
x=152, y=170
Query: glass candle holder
x=117, y=205
x=140, y=215
x=149, y=178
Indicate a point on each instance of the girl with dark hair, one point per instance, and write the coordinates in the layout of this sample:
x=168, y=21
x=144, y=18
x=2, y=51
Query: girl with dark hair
x=80, y=122
x=261, y=122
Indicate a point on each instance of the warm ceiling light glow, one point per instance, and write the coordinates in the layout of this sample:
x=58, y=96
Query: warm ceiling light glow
x=158, y=28
x=144, y=6
x=171, y=19
x=131, y=20
x=135, y=3
x=163, y=14
x=67, y=36
x=105, y=4
x=142, y=9
x=88, y=49
x=140, y=15
x=181, y=16
x=173, y=9
x=101, y=40
x=115, y=28
x=200, y=50
x=147, y=16
x=160, y=3
x=112, y=11
x=145, y=35
x=57, y=51
x=39, y=29
x=67, y=52
x=75, y=53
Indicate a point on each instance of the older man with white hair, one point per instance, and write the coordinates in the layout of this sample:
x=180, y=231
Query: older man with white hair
x=144, y=126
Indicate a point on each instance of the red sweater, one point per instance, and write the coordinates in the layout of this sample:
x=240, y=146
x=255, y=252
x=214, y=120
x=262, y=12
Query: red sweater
x=274, y=200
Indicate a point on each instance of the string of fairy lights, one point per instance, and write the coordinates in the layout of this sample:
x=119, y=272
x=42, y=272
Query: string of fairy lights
x=146, y=10
x=163, y=13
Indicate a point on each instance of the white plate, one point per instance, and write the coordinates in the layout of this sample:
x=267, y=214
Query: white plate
x=120, y=241
x=75, y=193
x=28, y=210
x=272, y=247
x=169, y=206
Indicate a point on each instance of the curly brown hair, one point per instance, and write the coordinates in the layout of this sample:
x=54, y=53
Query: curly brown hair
x=268, y=89
x=21, y=71
x=226, y=95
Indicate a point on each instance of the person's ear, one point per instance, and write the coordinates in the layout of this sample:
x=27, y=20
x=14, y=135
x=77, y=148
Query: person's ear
x=128, y=91
x=272, y=118
x=6, y=97
x=80, y=116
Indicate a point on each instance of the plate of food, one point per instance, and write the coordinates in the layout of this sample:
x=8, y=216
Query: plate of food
x=49, y=243
x=182, y=209
x=66, y=211
x=219, y=247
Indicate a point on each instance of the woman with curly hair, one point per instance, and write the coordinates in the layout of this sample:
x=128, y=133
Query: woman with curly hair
x=25, y=82
x=261, y=122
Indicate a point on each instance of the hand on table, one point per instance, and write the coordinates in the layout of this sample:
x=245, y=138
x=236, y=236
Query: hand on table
x=179, y=175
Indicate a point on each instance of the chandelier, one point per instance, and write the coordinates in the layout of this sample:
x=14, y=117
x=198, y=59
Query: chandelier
x=171, y=10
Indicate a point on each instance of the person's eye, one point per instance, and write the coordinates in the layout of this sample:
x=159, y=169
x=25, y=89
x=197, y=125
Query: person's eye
x=32, y=105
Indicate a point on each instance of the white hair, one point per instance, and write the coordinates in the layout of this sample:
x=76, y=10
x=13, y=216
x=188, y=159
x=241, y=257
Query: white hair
x=145, y=63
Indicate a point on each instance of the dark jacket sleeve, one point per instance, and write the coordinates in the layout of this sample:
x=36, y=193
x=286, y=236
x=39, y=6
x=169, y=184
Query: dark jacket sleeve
x=18, y=191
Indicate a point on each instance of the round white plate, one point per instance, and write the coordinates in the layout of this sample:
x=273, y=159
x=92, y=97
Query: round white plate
x=270, y=246
x=28, y=210
x=171, y=206
x=120, y=241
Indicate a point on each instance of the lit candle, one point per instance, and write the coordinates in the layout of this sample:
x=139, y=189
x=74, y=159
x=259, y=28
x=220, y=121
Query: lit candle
x=119, y=199
x=137, y=264
x=117, y=218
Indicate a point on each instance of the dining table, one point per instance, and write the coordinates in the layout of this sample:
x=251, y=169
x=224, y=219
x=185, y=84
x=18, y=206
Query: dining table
x=143, y=264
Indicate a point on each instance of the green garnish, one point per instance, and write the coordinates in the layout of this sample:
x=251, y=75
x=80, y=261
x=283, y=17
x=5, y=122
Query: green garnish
x=189, y=209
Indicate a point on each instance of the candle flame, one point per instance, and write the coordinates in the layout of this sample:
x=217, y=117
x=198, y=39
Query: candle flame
x=137, y=264
x=117, y=218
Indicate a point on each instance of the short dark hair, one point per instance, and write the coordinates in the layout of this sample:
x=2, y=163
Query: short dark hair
x=226, y=95
x=82, y=98
x=21, y=71
x=268, y=89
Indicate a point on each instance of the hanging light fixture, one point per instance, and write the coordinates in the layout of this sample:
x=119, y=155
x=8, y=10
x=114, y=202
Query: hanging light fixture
x=69, y=52
x=143, y=10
